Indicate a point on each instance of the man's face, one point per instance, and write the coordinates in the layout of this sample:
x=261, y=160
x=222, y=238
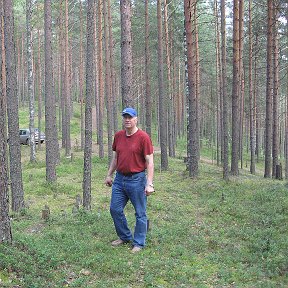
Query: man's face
x=129, y=121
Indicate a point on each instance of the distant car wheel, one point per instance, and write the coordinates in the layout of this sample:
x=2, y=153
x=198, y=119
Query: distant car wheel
x=27, y=142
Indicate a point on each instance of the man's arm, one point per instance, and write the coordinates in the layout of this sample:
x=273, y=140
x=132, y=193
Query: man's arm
x=150, y=174
x=112, y=168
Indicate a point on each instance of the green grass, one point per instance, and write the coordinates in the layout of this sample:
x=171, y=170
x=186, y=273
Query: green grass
x=204, y=232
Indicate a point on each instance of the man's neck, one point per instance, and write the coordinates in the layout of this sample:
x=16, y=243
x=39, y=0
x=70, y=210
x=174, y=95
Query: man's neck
x=132, y=131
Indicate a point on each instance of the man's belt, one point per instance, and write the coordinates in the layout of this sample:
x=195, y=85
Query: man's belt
x=129, y=174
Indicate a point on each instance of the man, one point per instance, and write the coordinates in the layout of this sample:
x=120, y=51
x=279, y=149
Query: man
x=132, y=155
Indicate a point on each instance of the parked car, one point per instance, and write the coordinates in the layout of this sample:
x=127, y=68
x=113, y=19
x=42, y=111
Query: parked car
x=25, y=136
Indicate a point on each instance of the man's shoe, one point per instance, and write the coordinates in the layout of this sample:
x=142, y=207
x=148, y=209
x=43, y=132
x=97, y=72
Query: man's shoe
x=136, y=249
x=118, y=242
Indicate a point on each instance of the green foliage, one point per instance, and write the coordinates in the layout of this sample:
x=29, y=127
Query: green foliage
x=204, y=232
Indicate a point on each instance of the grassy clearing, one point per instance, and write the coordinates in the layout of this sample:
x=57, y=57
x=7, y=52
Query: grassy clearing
x=204, y=232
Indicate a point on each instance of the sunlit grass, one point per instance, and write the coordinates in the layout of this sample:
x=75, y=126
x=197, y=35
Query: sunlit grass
x=205, y=232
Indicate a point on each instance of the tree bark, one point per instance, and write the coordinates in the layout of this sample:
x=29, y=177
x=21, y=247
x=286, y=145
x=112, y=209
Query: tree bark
x=251, y=102
x=162, y=94
x=5, y=226
x=193, y=138
x=126, y=54
x=224, y=93
x=81, y=77
x=12, y=110
x=108, y=83
x=148, y=100
x=30, y=74
x=169, y=83
x=235, y=91
x=39, y=90
x=100, y=80
x=88, y=107
x=67, y=83
x=275, y=134
x=269, y=91
x=50, y=109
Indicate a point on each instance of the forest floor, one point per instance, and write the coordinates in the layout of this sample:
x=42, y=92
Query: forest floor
x=204, y=232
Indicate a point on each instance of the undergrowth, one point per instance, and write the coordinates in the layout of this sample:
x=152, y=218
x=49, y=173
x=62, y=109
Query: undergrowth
x=204, y=232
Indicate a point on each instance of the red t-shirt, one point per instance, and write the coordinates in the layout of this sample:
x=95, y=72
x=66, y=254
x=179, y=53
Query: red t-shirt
x=131, y=151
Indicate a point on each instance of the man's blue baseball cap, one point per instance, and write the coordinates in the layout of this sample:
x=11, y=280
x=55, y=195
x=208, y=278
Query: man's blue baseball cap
x=130, y=111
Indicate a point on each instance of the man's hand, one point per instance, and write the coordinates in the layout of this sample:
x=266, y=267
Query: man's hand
x=149, y=189
x=108, y=181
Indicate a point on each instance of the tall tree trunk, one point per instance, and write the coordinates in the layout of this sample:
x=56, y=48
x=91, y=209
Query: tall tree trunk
x=196, y=144
x=255, y=97
x=224, y=93
x=39, y=90
x=251, y=102
x=100, y=81
x=126, y=54
x=148, y=100
x=269, y=91
x=235, y=91
x=193, y=138
x=286, y=114
x=67, y=83
x=162, y=95
x=50, y=109
x=81, y=77
x=12, y=110
x=23, y=79
x=275, y=134
x=96, y=72
x=169, y=83
x=62, y=73
x=30, y=74
x=114, y=97
x=241, y=80
x=88, y=107
x=219, y=88
x=5, y=226
x=108, y=84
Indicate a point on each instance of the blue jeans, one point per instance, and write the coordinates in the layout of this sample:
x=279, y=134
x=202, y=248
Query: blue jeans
x=131, y=188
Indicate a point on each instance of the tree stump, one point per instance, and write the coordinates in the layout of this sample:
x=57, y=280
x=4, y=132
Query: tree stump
x=46, y=213
x=278, y=172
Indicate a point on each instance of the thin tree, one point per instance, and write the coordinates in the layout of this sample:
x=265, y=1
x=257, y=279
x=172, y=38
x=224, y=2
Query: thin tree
x=30, y=82
x=148, y=100
x=50, y=109
x=67, y=83
x=218, y=87
x=88, y=106
x=62, y=75
x=275, y=134
x=193, y=134
x=241, y=81
x=39, y=89
x=224, y=93
x=251, y=102
x=112, y=70
x=100, y=81
x=5, y=226
x=286, y=114
x=169, y=83
x=235, y=91
x=12, y=110
x=126, y=54
x=269, y=91
x=81, y=76
x=162, y=95
x=108, y=81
